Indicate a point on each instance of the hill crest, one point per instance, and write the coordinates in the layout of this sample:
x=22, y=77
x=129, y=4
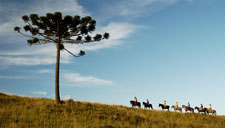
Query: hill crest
x=16, y=111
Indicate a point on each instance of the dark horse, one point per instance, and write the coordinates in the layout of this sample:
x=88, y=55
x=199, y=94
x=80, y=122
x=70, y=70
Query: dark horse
x=204, y=110
x=163, y=107
x=135, y=104
x=147, y=105
x=188, y=108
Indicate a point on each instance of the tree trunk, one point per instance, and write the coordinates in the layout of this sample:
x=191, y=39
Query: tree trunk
x=57, y=97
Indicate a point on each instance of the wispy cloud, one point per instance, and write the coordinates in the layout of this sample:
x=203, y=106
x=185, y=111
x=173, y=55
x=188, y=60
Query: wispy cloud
x=45, y=71
x=40, y=93
x=118, y=32
x=75, y=79
x=26, y=61
x=12, y=77
x=137, y=8
x=31, y=56
x=13, y=11
x=45, y=55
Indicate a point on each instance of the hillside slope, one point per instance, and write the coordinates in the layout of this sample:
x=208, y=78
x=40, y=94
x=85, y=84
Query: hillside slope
x=23, y=112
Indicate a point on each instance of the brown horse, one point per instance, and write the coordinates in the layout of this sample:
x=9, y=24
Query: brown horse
x=204, y=110
x=211, y=111
x=188, y=108
x=178, y=108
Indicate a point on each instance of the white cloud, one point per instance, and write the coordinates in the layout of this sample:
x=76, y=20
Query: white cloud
x=26, y=61
x=40, y=93
x=12, y=77
x=4, y=27
x=13, y=18
x=137, y=8
x=11, y=14
x=75, y=79
x=45, y=71
x=120, y=30
x=46, y=54
x=68, y=7
x=117, y=31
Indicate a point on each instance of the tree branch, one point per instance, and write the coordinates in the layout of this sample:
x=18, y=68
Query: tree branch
x=78, y=41
x=74, y=33
x=42, y=40
x=70, y=52
x=26, y=35
x=39, y=32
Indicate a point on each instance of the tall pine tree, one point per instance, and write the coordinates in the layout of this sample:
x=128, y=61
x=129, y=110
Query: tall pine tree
x=54, y=28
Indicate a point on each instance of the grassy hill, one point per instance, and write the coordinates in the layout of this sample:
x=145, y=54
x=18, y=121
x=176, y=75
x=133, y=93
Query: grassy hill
x=24, y=112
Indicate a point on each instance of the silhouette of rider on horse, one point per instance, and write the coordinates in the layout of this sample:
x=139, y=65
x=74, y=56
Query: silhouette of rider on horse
x=147, y=102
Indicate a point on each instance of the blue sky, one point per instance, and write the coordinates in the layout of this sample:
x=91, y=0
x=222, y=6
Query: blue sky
x=158, y=50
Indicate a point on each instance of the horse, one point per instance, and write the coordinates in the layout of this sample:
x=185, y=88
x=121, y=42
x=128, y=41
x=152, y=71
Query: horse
x=178, y=108
x=211, y=111
x=147, y=105
x=163, y=107
x=188, y=108
x=204, y=110
x=135, y=104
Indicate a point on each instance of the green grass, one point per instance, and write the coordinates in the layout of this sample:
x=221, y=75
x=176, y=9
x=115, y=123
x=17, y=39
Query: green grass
x=24, y=112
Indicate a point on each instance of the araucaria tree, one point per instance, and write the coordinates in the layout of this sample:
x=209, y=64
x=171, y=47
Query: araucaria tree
x=54, y=28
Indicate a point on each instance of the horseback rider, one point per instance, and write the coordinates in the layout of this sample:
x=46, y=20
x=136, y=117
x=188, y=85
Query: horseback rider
x=210, y=107
x=188, y=106
x=201, y=107
x=164, y=104
x=135, y=100
x=147, y=102
x=176, y=107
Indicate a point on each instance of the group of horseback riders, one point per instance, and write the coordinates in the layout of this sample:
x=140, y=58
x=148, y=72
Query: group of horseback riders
x=189, y=106
x=176, y=107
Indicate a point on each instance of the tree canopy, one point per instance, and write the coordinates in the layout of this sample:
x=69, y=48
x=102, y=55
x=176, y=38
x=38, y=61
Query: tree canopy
x=54, y=25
